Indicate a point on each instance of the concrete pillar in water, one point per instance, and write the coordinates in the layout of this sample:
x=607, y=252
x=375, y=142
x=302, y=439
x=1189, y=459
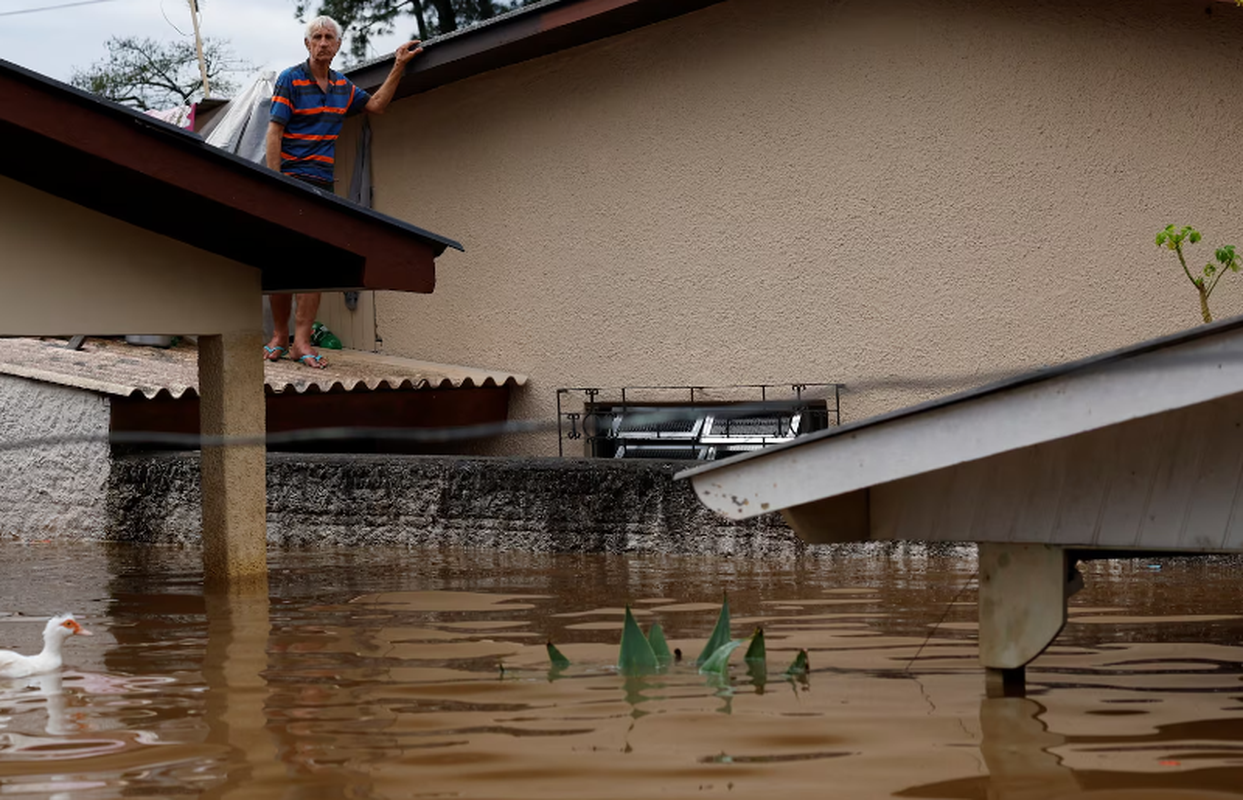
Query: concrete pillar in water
x=234, y=477
x=1022, y=606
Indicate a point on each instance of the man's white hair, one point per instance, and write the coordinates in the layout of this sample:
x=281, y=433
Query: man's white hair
x=322, y=22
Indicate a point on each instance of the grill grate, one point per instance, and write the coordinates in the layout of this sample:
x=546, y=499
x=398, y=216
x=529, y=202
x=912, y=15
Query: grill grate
x=692, y=422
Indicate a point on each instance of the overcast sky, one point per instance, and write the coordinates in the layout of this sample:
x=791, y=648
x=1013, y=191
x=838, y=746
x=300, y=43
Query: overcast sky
x=54, y=42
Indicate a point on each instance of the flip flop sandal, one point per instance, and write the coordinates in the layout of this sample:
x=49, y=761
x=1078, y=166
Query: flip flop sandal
x=316, y=361
x=268, y=350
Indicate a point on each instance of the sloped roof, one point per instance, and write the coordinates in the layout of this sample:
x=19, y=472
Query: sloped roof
x=135, y=168
x=1142, y=380
x=522, y=34
x=525, y=33
x=113, y=367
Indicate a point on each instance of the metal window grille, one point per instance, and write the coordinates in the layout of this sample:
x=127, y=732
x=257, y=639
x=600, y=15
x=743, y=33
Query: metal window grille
x=700, y=423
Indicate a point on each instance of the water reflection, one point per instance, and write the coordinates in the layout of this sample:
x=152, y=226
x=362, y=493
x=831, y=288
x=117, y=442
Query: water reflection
x=234, y=663
x=395, y=674
x=1025, y=760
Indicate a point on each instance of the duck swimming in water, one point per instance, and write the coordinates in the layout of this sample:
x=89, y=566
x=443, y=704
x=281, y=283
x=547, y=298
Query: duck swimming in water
x=58, y=629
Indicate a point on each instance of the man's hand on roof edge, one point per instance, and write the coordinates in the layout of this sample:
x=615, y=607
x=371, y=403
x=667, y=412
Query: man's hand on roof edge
x=384, y=95
x=406, y=52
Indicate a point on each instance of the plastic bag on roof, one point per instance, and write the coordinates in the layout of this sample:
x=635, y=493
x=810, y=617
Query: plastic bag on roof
x=243, y=123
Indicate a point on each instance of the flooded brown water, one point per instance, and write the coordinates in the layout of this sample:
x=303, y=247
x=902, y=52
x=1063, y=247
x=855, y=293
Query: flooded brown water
x=423, y=674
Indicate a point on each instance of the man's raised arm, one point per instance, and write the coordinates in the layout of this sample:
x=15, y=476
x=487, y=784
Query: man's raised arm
x=384, y=95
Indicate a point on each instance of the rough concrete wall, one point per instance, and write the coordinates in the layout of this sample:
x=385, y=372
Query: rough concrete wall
x=768, y=191
x=48, y=492
x=544, y=505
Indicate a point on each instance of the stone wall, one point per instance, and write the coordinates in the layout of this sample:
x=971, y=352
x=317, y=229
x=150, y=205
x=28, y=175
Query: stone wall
x=533, y=504
x=51, y=491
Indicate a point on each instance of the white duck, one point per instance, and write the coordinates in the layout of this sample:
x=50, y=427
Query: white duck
x=15, y=665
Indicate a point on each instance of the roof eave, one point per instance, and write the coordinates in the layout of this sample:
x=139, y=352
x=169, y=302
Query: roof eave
x=158, y=177
x=1026, y=410
x=522, y=35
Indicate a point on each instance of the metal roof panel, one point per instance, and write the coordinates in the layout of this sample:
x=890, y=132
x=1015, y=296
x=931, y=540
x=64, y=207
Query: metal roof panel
x=114, y=367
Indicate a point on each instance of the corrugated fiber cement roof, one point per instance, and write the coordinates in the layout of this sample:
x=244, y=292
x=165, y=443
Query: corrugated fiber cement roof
x=114, y=367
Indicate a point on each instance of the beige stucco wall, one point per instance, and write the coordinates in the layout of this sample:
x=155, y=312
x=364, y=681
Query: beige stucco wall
x=904, y=196
x=65, y=269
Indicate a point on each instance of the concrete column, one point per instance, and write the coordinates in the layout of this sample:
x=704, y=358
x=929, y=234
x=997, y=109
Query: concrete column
x=233, y=477
x=1022, y=606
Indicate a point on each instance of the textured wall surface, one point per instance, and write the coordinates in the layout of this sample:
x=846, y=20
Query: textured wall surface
x=809, y=190
x=544, y=505
x=46, y=491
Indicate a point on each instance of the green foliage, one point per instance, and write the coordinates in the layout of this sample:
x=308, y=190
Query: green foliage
x=151, y=75
x=801, y=665
x=1173, y=239
x=1206, y=281
x=555, y=657
x=656, y=638
x=637, y=656
x=720, y=634
x=364, y=19
x=757, y=651
x=718, y=662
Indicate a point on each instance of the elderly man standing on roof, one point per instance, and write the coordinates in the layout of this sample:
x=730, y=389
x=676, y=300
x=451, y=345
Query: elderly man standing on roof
x=309, y=104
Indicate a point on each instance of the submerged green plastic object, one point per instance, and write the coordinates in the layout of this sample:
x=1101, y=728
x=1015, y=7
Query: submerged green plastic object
x=322, y=337
x=656, y=638
x=800, y=665
x=558, y=660
x=720, y=634
x=637, y=656
x=757, y=651
x=718, y=662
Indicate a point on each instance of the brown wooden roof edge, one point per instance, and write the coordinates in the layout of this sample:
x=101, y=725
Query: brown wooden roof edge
x=523, y=34
x=520, y=35
x=137, y=168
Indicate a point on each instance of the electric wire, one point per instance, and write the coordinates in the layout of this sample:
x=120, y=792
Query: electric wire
x=648, y=416
x=948, y=607
x=53, y=8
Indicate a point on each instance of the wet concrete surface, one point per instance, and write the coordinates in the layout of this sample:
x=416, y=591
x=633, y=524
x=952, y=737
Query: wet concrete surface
x=404, y=673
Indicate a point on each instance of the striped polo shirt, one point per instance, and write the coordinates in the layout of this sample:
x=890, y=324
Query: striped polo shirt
x=312, y=120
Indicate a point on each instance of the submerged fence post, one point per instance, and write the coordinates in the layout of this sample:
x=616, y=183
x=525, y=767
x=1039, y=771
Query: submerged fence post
x=233, y=477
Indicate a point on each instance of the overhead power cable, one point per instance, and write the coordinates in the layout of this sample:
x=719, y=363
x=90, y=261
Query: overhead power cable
x=336, y=434
x=53, y=8
x=646, y=417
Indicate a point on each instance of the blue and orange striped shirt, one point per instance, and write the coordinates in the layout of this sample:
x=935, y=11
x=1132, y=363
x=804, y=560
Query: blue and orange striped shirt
x=312, y=119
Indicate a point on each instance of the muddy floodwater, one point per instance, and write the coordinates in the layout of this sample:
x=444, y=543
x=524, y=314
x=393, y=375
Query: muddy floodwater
x=423, y=674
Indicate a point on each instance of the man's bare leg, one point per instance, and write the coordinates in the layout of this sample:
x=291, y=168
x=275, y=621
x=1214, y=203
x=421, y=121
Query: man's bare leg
x=304, y=318
x=281, y=304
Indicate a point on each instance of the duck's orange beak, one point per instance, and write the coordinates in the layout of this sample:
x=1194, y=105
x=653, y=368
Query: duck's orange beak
x=78, y=630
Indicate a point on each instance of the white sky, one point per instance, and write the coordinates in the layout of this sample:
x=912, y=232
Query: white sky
x=263, y=32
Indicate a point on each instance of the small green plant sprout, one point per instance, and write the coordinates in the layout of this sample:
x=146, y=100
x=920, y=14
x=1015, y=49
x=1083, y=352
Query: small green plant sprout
x=555, y=657
x=637, y=656
x=800, y=665
x=718, y=662
x=720, y=634
x=1206, y=282
x=756, y=653
x=656, y=638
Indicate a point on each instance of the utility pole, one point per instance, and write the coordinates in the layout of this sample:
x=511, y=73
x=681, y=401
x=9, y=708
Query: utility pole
x=198, y=42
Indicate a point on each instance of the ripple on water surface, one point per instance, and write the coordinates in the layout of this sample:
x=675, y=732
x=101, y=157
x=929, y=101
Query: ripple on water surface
x=424, y=673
